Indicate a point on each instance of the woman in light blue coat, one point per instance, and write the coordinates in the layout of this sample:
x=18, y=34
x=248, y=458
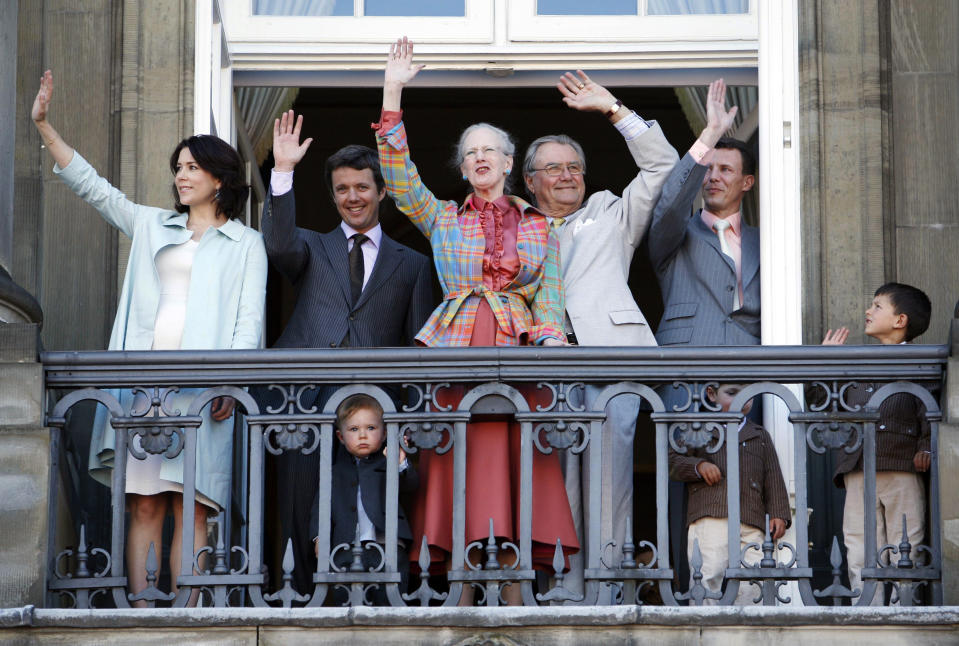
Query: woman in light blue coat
x=195, y=279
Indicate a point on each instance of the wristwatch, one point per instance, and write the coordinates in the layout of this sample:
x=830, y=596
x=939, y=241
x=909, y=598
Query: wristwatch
x=614, y=108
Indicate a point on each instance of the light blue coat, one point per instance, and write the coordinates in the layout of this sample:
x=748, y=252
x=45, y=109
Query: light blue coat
x=225, y=308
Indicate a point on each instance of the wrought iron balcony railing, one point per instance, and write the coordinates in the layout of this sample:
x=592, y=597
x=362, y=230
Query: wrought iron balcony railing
x=407, y=381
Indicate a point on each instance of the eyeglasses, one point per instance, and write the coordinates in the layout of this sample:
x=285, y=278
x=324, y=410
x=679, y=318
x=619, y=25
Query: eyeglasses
x=555, y=170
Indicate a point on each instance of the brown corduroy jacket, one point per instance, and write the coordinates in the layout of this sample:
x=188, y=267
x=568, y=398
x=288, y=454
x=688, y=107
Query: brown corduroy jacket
x=901, y=431
x=761, y=487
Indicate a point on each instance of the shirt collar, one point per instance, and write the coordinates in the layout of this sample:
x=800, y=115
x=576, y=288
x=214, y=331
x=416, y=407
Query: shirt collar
x=375, y=234
x=232, y=229
x=735, y=221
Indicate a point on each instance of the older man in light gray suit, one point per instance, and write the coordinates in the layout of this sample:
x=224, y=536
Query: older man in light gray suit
x=597, y=238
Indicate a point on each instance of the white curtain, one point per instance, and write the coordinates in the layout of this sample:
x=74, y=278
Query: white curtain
x=294, y=7
x=258, y=107
x=681, y=7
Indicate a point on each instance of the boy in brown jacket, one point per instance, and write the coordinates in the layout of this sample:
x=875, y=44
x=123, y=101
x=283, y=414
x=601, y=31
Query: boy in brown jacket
x=761, y=491
x=898, y=314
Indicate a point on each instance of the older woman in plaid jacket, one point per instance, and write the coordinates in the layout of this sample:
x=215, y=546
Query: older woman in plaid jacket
x=499, y=270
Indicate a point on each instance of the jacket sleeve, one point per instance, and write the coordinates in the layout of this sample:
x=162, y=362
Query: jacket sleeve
x=683, y=467
x=655, y=158
x=248, y=329
x=774, y=494
x=403, y=182
x=671, y=214
x=548, y=306
x=285, y=246
x=925, y=430
x=112, y=204
x=421, y=300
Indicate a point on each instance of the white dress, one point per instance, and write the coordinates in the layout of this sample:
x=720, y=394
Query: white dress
x=174, y=264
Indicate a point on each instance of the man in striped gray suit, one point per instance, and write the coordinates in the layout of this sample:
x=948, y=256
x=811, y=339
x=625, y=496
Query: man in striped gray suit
x=355, y=287
x=707, y=262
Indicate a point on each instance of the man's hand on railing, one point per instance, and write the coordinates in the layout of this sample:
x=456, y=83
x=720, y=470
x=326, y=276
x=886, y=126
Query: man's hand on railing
x=222, y=408
x=836, y=338
x=709, y=472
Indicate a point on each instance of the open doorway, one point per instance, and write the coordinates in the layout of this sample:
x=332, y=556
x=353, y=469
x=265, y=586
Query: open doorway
x=434, y=117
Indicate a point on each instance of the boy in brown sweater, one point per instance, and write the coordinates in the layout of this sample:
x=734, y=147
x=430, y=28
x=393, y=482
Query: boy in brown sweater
x=898, y=314
x=761, y=491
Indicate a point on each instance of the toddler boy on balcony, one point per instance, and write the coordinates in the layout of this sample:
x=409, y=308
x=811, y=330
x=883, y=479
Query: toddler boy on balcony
x=898, y=314
x=762, y=491
x=358, y=505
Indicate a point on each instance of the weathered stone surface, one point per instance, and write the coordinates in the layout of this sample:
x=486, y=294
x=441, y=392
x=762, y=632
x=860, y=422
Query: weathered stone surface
x=24, y=477
x=500, y=626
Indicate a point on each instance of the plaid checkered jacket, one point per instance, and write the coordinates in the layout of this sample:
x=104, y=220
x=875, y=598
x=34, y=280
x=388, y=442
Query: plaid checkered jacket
x=532, y=303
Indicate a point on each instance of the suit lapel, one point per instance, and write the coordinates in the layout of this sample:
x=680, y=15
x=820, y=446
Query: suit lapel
x=387, y=260
x=709, y=237
x=750, y=254
x=334, y=243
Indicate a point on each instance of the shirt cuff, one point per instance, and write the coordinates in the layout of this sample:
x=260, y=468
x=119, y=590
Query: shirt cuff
x=280, y=182
x=631, y=126
x=702, y=153
x=404, y=465
x=388, y=120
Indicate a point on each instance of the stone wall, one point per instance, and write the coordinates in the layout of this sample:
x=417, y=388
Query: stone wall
x=879, y=91
x=123, y=74
x=24, y=468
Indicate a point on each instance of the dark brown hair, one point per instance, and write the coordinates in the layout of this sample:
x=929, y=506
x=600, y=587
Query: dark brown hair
x=221, y=160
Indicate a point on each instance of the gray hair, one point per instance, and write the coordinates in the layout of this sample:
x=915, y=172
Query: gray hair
x=507, y=147
x=533, y=149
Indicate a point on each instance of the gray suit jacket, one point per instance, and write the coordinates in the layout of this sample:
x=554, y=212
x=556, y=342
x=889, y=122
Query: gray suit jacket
x=597, y=245
x=697, y=279
x=394, y=304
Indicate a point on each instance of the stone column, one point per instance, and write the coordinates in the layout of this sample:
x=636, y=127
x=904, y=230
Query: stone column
x=24, y=468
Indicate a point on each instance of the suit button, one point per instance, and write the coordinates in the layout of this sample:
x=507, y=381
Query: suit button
x=729, y=288
x=352, y=317
x=332, y=345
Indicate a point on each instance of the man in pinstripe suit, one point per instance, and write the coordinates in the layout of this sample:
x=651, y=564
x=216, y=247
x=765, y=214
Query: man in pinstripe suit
x=355, y=287
x=707, y=262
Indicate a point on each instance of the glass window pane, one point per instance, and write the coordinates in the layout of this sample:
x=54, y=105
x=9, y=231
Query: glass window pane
x=586, y=7
x=683, y=7
x=302, y=7
x=415, y=7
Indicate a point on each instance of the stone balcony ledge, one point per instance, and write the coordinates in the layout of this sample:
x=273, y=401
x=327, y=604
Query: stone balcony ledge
x=480, y=618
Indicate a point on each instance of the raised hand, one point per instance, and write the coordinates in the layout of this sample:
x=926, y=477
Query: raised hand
x=718, y=118
x=287, y=149
x=399, y=66
x=836, y=338
x=42, y=103
x=580, y=93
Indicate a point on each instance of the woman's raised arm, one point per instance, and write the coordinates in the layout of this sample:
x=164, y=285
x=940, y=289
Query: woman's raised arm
x=399, y=71
x=61, y=152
